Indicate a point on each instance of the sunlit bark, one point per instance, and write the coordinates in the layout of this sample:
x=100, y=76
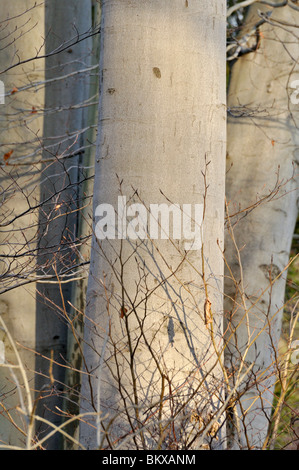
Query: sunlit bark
x=262, y=192
x=161, y=140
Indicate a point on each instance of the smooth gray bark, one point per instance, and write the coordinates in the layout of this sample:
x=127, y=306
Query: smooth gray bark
x=21, y=121
x=262, y=197
x=161, y=129
x=65, y=24
x=85, y=217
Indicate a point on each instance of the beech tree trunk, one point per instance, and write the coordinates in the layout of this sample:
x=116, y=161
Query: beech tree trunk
x=262, y=197
x=154, y=372
x=85, y=217
x=66, y=24
x=21, y=122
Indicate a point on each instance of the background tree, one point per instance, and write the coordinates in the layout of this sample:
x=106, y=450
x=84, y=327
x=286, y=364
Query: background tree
x=22, y=38
x=84, y=230
x=66, y=99
x=262, y=197
x=67, y=88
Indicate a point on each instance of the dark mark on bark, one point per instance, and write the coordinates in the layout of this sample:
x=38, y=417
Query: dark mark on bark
x=270, y=271
x=157, y=72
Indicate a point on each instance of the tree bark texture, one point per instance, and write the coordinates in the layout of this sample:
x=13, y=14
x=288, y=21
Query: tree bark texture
x=66, y=24
x=21, y=122
x=151, y=361
x=262, y=198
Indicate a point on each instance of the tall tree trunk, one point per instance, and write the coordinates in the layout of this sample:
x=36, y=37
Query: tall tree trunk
x=66, y=24
x=78, y=302
x=262, y=196
x=21, y=38
x=154, y=368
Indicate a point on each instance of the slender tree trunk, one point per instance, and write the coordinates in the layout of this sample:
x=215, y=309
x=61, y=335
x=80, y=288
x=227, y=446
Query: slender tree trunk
x=85, y=217
x=262, y=196
x=21, y=38
x=154, y=376
x=66, y=24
